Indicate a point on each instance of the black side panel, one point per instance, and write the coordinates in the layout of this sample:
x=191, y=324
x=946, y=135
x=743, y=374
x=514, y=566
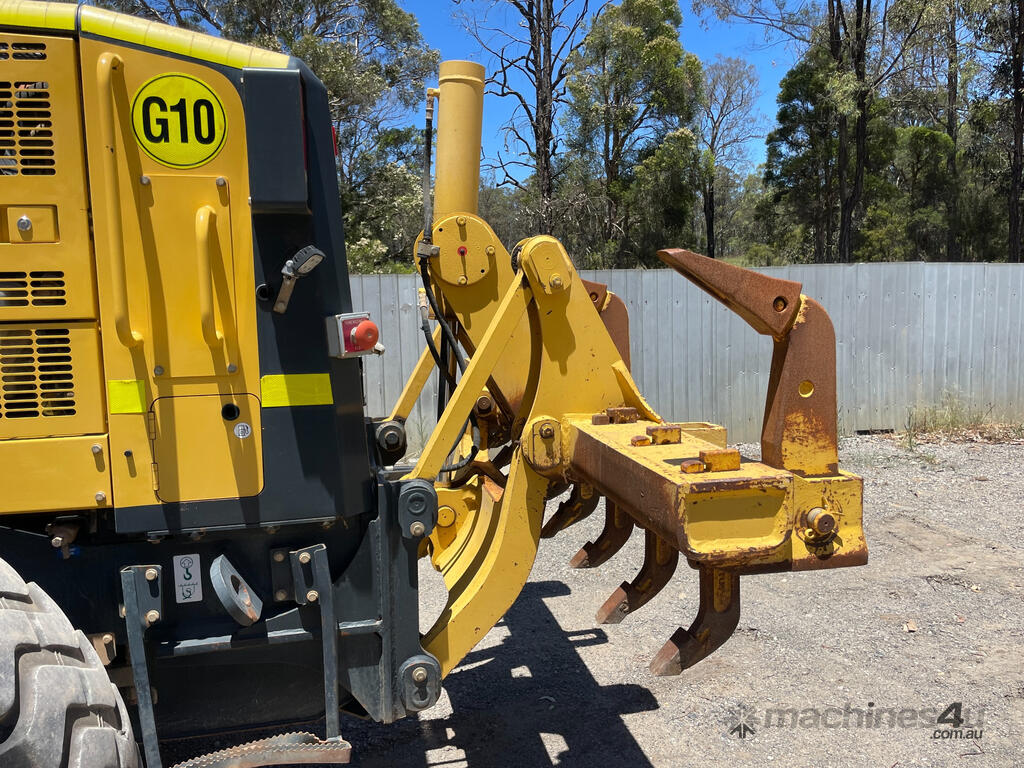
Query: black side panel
x=273, y=128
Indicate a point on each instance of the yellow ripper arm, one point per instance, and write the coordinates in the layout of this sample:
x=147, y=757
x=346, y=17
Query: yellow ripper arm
x=581, y=420
x=548, y=391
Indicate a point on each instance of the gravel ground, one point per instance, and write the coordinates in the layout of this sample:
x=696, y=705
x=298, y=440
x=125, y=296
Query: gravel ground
x=550, y=687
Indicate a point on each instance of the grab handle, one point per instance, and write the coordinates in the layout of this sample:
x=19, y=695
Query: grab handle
x=206, y=230
x=106, y=66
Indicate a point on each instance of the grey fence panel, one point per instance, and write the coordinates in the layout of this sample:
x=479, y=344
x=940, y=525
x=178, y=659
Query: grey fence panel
x=907, y=335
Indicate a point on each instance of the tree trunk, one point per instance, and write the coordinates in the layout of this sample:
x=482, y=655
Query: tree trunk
x=845, y=211
x=850, y=194
x=1017, y=151
x=709, y=215
x=544, y=112
x=953, y=252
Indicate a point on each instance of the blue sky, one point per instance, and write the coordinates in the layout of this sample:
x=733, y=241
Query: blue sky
x=705, y=37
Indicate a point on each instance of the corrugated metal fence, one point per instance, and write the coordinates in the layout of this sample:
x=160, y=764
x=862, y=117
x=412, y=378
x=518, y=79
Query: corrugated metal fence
x=907, y=335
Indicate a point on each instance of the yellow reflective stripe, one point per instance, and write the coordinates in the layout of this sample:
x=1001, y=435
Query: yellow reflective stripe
x=291, y=389
x=126, y=395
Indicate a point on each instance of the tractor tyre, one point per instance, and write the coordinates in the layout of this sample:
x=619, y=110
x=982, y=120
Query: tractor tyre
x=58, y=708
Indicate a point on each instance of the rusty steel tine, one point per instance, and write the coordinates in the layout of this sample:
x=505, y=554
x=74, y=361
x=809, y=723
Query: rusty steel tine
x=581, y=503
x=617, y=527
x=659, y=564
x=716, y=619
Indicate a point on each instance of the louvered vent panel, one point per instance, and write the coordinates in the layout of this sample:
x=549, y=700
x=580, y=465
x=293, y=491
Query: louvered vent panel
x=26, y=122
x=36, y=289
x=36, y=373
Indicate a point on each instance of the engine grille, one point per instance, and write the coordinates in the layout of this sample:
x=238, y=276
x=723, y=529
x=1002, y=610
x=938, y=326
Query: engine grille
x=26, y=126
x=37, y=289
x=36, y=373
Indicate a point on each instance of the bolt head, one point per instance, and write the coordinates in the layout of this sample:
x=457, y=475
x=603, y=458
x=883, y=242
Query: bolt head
x=232, y=368
x=419, y=675
x=305, y=557
x=417, y=528
x=221, y=181
x=463, y=280
x=158, y=370
x=96, y=448
x=280, y=595
x=312, y=596
x=101, y=497
x=152, y=617
x=279, y=557
x=461, y=221
x=24, y=224
x=108, y=638
x=57, y=542
x=547, y=431
x=556, y=281
x=151, y=574
x=144, y=181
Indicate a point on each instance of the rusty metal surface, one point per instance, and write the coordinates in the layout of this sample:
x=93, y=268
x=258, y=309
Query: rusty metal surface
x=800, y=430
x=660, y=560
x=613, y=314
x=716, y=619
x=720, y=459
x=800, y=422
x=581, y=504
x=287, y=749
x=768, y=304
x=617, y=527
x=652, y=482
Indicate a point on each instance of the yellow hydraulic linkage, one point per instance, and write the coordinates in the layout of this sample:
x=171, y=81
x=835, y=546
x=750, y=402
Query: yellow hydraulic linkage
x=546, y=403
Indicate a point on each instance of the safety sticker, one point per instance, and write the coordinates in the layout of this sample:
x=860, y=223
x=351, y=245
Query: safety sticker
x=188, y=580
x=178, y=120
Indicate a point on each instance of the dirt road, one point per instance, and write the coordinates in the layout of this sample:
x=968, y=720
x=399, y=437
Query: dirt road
x=813, y=655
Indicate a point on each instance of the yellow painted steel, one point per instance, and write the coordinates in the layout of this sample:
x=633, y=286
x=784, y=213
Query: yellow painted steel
x=52, y=383
x=29, y=13
x=415, y=383
x=128, y=29
x=158, y=273
x=179, y=316
x=56, y=203
x=81, y=464
x=487, y=562
x=461, y=103
x=473, y=381
x=229, y=464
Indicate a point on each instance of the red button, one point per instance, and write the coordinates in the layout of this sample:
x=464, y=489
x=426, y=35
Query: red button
x=365, y=335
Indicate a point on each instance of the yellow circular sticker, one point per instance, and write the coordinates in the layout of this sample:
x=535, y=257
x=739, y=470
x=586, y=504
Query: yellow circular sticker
x=178, y=120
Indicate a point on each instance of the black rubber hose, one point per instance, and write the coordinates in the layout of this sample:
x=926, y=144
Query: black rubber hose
x=446, y=330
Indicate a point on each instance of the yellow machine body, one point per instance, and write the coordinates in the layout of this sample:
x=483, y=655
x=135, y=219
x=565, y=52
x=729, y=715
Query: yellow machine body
x=121, y=345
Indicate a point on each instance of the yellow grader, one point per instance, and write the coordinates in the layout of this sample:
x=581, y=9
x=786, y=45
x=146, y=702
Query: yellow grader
x=201, y=531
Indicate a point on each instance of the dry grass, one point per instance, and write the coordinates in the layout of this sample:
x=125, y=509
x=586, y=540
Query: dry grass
x=953, y=420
